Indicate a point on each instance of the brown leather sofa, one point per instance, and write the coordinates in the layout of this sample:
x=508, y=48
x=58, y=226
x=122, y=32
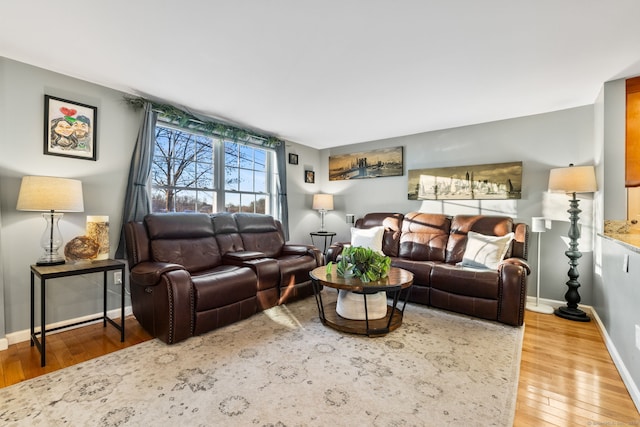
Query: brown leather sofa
x=192, y=273
x=432, y=245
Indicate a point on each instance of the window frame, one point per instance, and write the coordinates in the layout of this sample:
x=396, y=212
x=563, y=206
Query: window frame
x=218, y=190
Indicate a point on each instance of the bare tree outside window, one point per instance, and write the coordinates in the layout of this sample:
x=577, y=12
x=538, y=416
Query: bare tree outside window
x=182, y=171
x=183, y=174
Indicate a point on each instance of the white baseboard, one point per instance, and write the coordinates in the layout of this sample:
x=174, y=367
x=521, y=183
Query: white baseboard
x=622, y=369
x=4, y=344
x=25, y=335
x=632, y=388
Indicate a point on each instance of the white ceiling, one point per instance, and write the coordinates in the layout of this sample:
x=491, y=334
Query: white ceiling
x=333, y=72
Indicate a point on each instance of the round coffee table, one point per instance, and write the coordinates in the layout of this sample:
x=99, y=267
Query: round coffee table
x=397, y=280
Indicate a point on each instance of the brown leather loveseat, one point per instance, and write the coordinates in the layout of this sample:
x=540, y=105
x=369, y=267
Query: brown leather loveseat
x=192, y=273
x=432, y=247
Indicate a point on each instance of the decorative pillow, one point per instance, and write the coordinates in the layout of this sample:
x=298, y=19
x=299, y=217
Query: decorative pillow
x=485, y=251
x=368, y=237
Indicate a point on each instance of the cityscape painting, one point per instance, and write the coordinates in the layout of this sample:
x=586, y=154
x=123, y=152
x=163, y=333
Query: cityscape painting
x=366, y=164
x=495, y=181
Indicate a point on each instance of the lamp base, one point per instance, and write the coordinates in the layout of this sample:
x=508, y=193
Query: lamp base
x=50, y=262
x=572, y=314
x=540, y=308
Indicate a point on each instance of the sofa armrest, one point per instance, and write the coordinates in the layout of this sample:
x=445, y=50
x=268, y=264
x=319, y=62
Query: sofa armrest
x=518, y=261
x=513, y=293
x=302, y=250
x=149, y=273
x=334, y=251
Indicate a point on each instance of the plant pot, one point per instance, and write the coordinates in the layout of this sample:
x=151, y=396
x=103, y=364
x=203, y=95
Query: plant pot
x=350, y=305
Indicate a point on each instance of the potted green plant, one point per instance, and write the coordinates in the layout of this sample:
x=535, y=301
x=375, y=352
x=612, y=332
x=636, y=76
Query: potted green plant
x=364, y=263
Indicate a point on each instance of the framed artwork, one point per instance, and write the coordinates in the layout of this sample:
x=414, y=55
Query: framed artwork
x=309, y=177
x=496, y=181
x=293, y=159
x=70, y=128
x=366, y=164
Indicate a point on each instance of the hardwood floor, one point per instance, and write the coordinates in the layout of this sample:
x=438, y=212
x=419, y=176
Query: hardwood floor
x=567, y=377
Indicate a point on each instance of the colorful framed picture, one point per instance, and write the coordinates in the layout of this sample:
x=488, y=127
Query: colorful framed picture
x=70, y=128
x=293, y=159
x=310, y=177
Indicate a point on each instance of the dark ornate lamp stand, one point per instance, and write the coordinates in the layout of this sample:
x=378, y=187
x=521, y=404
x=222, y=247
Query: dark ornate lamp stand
x=571, y=310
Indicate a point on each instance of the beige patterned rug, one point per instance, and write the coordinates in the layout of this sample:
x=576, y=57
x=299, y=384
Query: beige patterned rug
x=282, y=367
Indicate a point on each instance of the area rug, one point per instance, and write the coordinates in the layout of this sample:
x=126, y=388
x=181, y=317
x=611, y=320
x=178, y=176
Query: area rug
x=282, y=367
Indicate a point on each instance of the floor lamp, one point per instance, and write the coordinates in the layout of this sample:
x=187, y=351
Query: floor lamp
x=538, y=226
x=572, y=180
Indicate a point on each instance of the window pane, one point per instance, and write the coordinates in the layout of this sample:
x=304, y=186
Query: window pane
x=231, y=179
x=260, y=157
x=185, y=201
x=158, y=201
x=261, y=204
x=260, y=182
x=204, y=202
x=230, y=154
x=232, y=202
x=184, y=174
x=248, y=201
x=246, y=157
x=205, y=178
x=246, y=180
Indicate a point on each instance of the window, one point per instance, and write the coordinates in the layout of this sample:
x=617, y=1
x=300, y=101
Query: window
x=192, y=172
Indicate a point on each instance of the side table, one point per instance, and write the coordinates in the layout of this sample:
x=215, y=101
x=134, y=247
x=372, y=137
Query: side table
x=326, y=234
x=65, y=270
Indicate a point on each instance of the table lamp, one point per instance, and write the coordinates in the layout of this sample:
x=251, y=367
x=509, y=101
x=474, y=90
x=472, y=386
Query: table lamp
x=53, y=196
x=322, y=203
x=572, y=180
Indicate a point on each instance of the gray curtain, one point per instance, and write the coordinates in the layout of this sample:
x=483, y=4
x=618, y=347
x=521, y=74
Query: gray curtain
x=137, y=202
x=281, y=155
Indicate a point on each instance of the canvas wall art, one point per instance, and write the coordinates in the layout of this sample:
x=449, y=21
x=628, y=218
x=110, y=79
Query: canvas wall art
x=366, y=164
x=497, y=181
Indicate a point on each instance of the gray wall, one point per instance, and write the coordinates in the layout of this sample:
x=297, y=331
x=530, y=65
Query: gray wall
x=21, y=142
x=616, y=293
x=541, y=142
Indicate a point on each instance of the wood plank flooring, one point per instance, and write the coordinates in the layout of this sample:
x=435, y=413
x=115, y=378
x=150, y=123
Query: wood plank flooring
x=567, y=377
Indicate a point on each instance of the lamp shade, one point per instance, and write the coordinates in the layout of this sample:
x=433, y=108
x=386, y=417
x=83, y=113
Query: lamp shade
x=538, y=224
x=323, y=202
x=573, y=179
x=46, y=193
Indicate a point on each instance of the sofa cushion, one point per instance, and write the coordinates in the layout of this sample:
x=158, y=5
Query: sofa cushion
x=392, y=223
x=227, y=233
x=368, y=237
x=260, y=233
x=223, y=285
x=469, y=282
x=424, y=236
x=484, y=224
x=485, y=251
x=183, y=238
x=193, y=254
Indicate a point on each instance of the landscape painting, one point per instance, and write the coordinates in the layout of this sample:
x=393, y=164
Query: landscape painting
x=366, y=164
x=495, y=181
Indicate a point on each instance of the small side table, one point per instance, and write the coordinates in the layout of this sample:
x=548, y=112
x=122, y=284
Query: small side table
x=327, y=235
x=66, y=270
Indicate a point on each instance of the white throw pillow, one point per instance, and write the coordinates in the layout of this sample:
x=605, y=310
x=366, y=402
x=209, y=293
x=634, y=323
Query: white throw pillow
x=484, y=251
x=368, y=237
